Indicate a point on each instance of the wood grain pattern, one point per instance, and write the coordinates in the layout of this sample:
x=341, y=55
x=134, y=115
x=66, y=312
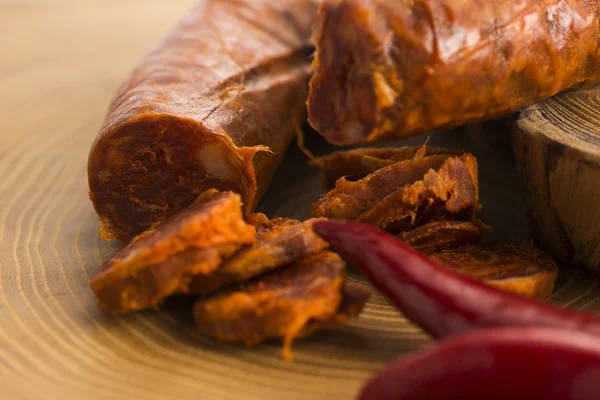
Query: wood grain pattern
x=62, y=62
x=557, y=146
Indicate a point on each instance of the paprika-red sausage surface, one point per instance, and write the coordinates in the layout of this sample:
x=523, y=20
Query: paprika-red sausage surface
x=394, y=68
x=201, y=111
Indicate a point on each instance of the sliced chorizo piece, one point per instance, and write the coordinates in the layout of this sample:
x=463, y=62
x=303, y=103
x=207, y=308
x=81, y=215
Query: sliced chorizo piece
x=162, y=260
x=357, y=163
x=408, y=193
x=266, y=227
x=440, y=235
x=280, y=241
x=512, y=266
x=278, y=305
x=353, y=302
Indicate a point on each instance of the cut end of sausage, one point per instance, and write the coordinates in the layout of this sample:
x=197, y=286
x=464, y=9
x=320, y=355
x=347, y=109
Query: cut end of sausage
x=137, y=180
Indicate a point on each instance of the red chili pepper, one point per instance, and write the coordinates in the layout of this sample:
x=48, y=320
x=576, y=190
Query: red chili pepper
x=516, y=363
x=438, y=299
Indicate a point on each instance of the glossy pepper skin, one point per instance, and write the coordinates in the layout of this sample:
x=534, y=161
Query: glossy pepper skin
x=440, y=300
x=388, y=69
x=516, y=363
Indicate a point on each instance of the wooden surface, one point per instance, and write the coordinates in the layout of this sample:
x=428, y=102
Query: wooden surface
x=62, y=61
x=557, y=147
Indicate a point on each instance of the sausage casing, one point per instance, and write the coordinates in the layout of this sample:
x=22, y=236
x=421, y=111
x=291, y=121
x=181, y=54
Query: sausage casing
x=214, y=105
x=396, y=68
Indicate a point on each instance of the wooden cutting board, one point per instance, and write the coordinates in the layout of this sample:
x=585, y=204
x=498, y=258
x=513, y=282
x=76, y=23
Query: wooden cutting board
x=62, y=61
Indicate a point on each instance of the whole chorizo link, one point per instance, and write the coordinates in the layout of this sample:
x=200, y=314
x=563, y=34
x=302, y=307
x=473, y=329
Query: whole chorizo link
x=215, y=105
x=395, y=68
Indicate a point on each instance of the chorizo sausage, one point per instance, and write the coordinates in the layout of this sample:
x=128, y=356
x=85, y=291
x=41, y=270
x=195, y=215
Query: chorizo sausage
x=357, y=163
x=441, y=235
x=162, y=260
x=515, y=267
x=280, y=242
x=214, y=105
x=395, y=68
x=289, y=303
x=408, y=193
